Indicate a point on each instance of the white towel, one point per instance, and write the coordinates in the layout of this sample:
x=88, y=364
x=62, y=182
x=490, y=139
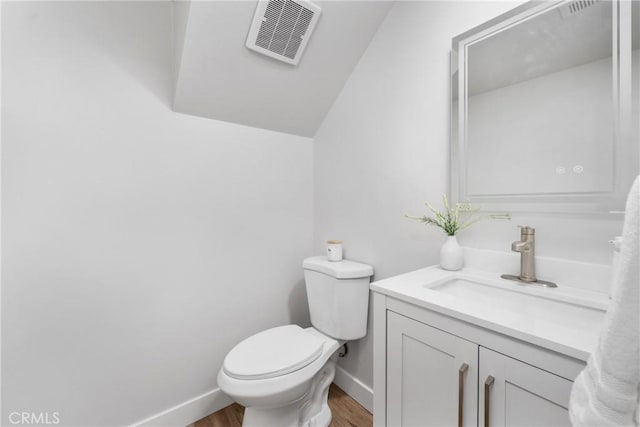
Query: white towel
x=605, y=393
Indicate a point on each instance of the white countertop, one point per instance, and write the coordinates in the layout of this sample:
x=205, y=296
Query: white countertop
x=564, y=319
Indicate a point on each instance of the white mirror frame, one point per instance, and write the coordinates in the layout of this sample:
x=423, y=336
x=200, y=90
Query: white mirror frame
x=625, y=147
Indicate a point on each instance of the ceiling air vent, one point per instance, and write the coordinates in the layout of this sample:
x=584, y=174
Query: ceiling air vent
x=573, y=7
x=281, y=28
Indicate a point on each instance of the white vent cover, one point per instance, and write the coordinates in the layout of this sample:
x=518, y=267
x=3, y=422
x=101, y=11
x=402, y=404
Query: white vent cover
x=281, y=28
x=573, y=7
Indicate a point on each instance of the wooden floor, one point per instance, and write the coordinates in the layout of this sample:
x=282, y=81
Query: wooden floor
x=346, y=413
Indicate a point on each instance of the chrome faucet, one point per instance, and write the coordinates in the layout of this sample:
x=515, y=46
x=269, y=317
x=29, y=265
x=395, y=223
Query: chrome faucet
x=527, y=248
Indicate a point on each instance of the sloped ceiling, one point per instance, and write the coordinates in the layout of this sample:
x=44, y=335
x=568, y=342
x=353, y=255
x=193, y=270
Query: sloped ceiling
x=219, y=78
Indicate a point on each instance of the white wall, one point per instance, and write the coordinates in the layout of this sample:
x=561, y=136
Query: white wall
x=383, y=150
x=139, y=244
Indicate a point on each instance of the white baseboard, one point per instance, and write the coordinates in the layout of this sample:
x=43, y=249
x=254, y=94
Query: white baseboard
x=206, y=404
x=188, y=412
x=359, y=391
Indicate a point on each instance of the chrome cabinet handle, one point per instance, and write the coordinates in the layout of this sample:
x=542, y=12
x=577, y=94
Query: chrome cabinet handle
x=487, y=402
x=463, y=368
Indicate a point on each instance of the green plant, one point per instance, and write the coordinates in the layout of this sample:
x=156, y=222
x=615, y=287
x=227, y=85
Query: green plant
x=463, y=215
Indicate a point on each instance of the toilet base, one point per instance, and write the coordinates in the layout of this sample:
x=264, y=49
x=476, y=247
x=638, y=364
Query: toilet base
x=312, y=410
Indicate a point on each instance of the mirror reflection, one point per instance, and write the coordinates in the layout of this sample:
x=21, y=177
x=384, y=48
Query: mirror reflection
x=540, y=95
x=536, y=102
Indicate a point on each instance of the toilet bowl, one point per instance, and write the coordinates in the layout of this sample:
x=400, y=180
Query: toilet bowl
x=285, y=387
x=282, y=375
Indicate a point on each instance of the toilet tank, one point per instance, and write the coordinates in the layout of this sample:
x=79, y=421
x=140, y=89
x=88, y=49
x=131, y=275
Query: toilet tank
x=338, y=296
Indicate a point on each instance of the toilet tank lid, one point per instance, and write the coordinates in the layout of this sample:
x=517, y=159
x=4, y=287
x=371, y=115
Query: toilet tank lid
x=339, y=269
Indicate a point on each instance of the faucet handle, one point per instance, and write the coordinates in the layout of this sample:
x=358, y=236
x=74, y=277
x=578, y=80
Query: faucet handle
x=526, y=230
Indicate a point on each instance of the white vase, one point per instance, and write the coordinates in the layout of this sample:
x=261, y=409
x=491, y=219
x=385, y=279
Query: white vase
x=451, y=255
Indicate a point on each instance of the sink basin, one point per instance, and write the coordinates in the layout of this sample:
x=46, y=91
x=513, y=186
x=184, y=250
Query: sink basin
x=481, y=292
x=521, y=303
x=566, y=319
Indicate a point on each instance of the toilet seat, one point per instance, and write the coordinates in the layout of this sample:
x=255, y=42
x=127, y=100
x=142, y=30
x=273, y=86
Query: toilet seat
x=273, y=353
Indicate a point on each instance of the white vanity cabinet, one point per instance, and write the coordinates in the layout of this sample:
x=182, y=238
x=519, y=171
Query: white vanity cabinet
x=518, y=394
x=432, y=376
x=432, y=369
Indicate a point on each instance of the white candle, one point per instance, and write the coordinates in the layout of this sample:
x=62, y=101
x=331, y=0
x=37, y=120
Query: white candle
x=334, y=250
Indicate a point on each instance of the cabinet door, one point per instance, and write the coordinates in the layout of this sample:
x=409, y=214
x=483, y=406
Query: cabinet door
x=521, y=394
x=432, y=376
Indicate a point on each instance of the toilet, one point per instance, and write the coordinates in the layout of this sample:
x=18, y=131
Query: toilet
x=282, y=375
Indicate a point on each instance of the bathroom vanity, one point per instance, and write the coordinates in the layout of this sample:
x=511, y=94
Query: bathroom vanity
x=469, y=348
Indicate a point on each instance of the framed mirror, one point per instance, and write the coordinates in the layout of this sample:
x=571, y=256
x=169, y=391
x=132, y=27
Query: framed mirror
x=545, y=108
